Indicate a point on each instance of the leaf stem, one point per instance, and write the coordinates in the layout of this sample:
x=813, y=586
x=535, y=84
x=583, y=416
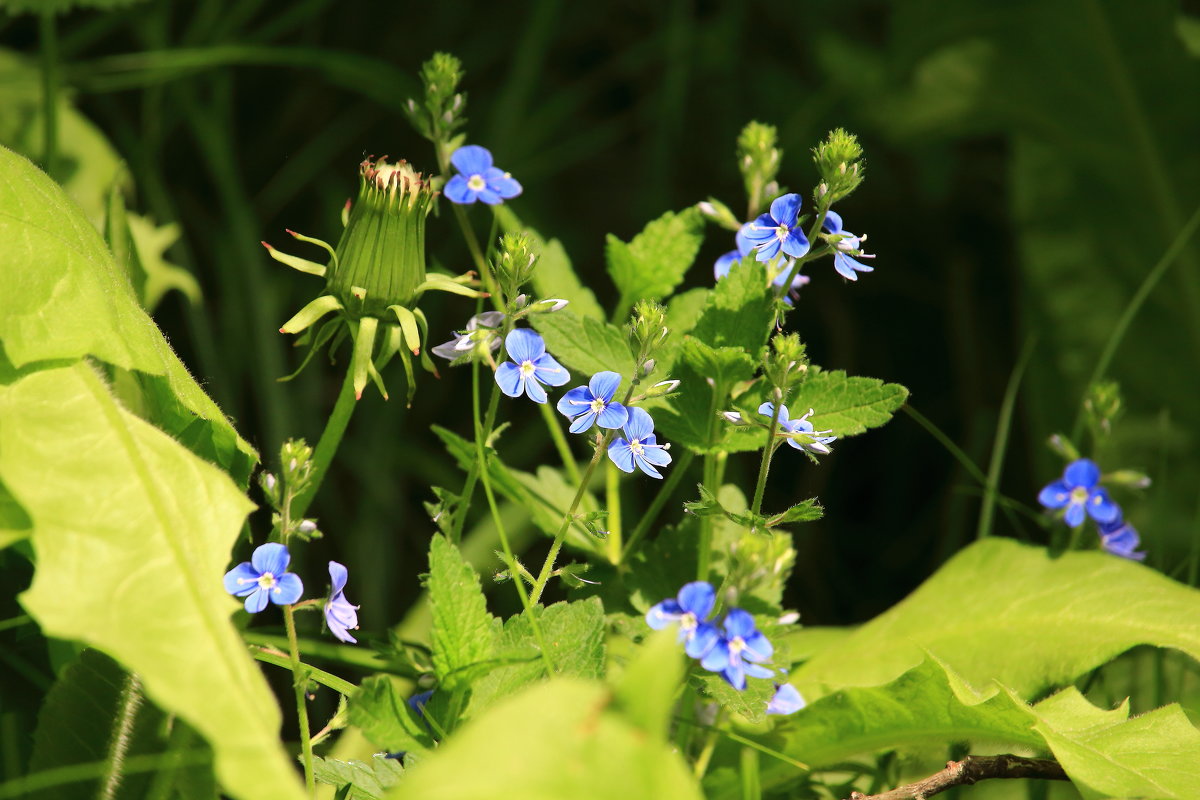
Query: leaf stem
x=331, y=438
x=612, y=493
x=299, y=679
x=482, y=434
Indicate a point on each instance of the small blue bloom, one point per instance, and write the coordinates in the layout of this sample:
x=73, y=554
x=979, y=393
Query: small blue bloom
x=340, y=616
x=1121, y=539
x=690, y=609
x=740, y=651
x=846, y=266
x=639, y=447
x=778, y=230
x=419, y=700
x=585, y=405
x=744, y=248
x=531, y=366
x=786, y=700
x=807, y=437
x=480, y=329
x=265, y=577
x=478, y=179
x=1078, y=491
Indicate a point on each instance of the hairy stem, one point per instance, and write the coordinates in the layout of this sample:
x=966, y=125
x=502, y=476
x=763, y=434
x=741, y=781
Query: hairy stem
x=299, y=679
x=331, y=438
x=656, y=505
x=548, y=566
x=765, y=465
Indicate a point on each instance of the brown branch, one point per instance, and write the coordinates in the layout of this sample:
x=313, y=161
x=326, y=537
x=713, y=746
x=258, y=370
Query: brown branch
x=970, y=770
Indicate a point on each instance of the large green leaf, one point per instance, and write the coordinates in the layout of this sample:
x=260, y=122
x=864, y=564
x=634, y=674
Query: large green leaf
x=584, y=344
x=1048, y=621
x=65, y=298
x=381, y=711
x=131, y=538
x=368, y=780
x=462, y=626
x=554, y=276
x=559, y=739
x=654, y=263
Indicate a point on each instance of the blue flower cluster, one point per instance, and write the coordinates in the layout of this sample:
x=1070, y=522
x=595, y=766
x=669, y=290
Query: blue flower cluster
x=736, y=649
x=1079, y=495
x=264, y=578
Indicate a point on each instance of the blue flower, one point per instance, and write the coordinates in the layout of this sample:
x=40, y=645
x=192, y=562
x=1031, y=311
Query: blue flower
x=340, y=616
x=480, y=329
x=846, y=266
x=804, y=437
x=690, y=609
x=786, y=700
x=778, y=230
x=740, y=651
x=419, y=700
x=1121, y=539
x=265, y=577
x=531, y=366
x=1079, y=490
x=593, y=403
x=744, y=248
x=478, y=179
x=639, y=446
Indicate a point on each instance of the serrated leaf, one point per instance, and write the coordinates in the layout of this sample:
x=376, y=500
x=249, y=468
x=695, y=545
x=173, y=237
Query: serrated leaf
x=554, y=276
x=65, y=298
x=131, y=539
x=382, y=713
x=847, y=405
x=739, y=312
x=1049, y=621
x=808, y=511
x=367, y=780
x=750, y=702
x=585, y=345
x=559, y=739
x=655, y=261
x=462, y=626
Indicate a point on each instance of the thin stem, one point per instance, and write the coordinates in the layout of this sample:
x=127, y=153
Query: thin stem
x=48, y=35
x=970, y=770
x=612, y=493
x=765, y=465
x=299, y=679
x=482, y=434
x=1000, y=444
x=560, y=442
x=331, y=438
x=710, y=745
x=460, y=214
x=811, y=255
x=656, y=505
x=548, y=565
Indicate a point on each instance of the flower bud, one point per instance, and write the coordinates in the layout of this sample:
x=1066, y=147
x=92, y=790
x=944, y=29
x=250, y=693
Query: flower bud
x=838, y=162
x=441, y=113
x=759, y=160
x=1063, y=446
x=1103, y=405
x=1129, y=478
x=515, y=262
x=662, y=388
x=715, y=211
x=734, y=417
x=647, y=328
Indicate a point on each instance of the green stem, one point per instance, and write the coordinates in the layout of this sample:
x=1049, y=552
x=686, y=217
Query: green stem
x=299, y=679
x=1169, y=259
x=560, y=442
x=612, y=491
x=460, y=214
x=48, y=35
x=548, y=565
x=811, y=255
x=709, y=478
x=656, y=505
x=1000, y=444
x=765, y=465
x=331, y=437
x=482, y=434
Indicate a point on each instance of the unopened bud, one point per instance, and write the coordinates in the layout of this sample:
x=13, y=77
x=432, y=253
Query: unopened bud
x=790, y=618
x=662, y=388
x=307, y=526
x=734, y=417
x=648, y=367
x=715, y=211
x=554, y=303
x=1129, y=478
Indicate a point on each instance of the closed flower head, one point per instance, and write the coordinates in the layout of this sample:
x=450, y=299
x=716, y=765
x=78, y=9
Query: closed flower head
x=340, y=615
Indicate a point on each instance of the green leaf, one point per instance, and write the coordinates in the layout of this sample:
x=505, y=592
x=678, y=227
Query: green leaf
x=585, y=345
x=807, y=511
x=1049, y=621
x=96, y=714
x=131, y=540
x=654, y=263
x=847, y=406
x=647, y=687
x=462, y=626
x=382, y=713
x=65, y=298
x=560, y=739
x=367, y=780
x=1106, y=754
x=740, y=311
x=554, y=276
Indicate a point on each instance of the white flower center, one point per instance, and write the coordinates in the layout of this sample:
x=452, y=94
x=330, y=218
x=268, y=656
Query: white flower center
x=736, y=645
x=637, y=447
x=782, y=232
x=476, y=183
x=1079, y=494
x=527, y=369
x=688, y=621
x=266, y=581
x=597, y=405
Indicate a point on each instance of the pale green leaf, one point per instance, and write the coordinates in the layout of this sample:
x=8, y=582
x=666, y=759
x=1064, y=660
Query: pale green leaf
x=585, y=345
x=131, y=539
x=381, y=711
x=560, y=739
x=462, y=626
x=554, y=277
x=847, y=406
x=647, y=685
x=1047, y=622
x=654, y=263
x=369, y=780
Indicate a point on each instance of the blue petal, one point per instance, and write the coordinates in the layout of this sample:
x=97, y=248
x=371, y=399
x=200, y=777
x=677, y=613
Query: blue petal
x=613, y=416
x=723, y=264
x=287, y=589
x=1075, y=515
x=717, y=658
x=490, y=197
x=742, y=240
x=604, y=385
x=471, y=159
x=502, y=183
x=844, y=266
x=338, y=574
x=574, y=402
x=534, y=391
x=508, y=378
x=271, y=557
x=698, y=597
x=583, y=422
x=549, y=371
x=257, y=600
x=758, y=647
x=739, y=623
x=1081, y=472
x=523, y=345
x=1101, y=507
x=640, y=425
x=646, y=467
x=768, y=409
x=245, y=573
x=1055, y=495
x=620, y=453
x=796, y=243
x=735, y=674
x=755, y=671
x=833, y=222
x=759, y=231
x=786, y=700
x=458, y=190
x=663, y=614
x=658, y=456
x=701, y=641
x=768, y=250
x=785, y=209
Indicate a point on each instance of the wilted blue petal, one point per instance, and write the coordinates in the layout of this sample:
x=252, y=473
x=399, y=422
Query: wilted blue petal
x=242, y=579
x=523, y=345
x=786, y=700
x=471, y=159
x=271, y=557
x=458, y=190
x=847, y=266
x=508, y=378
x=1081, y=472
x=338, y=575
x=785, y=209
